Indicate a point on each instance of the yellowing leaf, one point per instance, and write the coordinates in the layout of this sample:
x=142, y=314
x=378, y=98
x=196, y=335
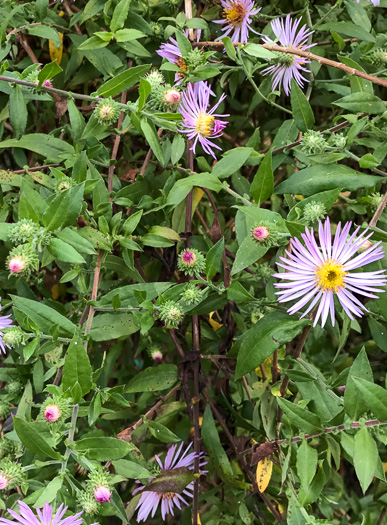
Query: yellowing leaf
x=56, y=54
x=196, y=198
x=55, y=291
x=264, y=470
x=215, y=325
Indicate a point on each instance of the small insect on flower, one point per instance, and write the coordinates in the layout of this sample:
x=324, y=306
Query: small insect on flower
x=318, y=272
x=200, y=123
x=42, y=517
x=288, y=66
x=149, y=501
x=237, y=19
x=5, y=322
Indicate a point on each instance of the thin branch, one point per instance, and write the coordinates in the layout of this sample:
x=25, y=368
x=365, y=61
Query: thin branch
x=378, y=212
x=296, y=355
x=97, y=273
x=310, y=56
x=117, y=140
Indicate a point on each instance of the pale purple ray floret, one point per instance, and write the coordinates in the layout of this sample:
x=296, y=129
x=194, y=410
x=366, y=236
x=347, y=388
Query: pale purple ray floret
x=376, y=3
x=172, y=53
x=42, y=517
x=198, y=121
x=5, y=322
x=237, y=19
x=149, y=501
x=317, y=272
x=288, y=66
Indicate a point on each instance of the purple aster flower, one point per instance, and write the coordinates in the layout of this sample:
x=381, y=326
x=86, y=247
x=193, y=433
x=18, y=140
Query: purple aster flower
x=44, y=516
x=288, y=66
x=237, y=18
x=376, y=3
x=318, y=272
x=5, y=322
x=199, y=122
x=172, y=53
x=150, y=500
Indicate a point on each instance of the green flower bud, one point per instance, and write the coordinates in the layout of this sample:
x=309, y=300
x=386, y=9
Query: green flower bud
x=375, y=200
x=264, y=270
x=155, y=79
x=14, y=387
x=155, y=353
x=88, y=503
x=378, y=57
x=171, y=313
x=8, y=449
x=65, y=183
x=22, y=231
x=191, y=262
x=5, y=410
x=313, y=142
x=14, y=336
x=192, y=294
x=157, y=28
x=195, y=58
x=339, y=140
x=55, y=409
x=98, y=484
x=313, y=212
x=107, y=111
x=22, y=260
x=11, y=475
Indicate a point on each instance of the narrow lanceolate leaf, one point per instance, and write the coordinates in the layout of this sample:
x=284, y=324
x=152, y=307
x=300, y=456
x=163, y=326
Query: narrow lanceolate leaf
x=302, y=112
x=263, y=183
x=77, y=368
x=17, y=111
x=32, y=439
x=152, y=139
x=123, y=81
x=365, y=457
x=263, y=474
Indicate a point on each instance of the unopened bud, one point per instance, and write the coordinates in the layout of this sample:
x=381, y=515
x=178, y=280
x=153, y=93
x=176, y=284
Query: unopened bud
x=171, y=97
x=171, y=313
x=102, y=494
x=314, y=211
x=52, y=413
x=107, y=111
x=47, y=83
x=191, y=262
x=4, y=481
x=261, y=233
x=17, y=264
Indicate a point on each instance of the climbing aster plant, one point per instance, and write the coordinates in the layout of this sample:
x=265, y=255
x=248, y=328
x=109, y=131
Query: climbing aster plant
x=193, y=262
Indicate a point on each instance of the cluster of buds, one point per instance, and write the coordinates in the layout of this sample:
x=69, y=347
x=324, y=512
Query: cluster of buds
x=313, y=142
x=192, y=294
x=171, y=313
x=98, y=485
x=107, y=111
x=267, y=234
x=22, y=260
x=56, y=409
x=26, y=231
x=14, y=336
x=191, y=262
x=11, y=475
x=313, y=211
x=156, y=354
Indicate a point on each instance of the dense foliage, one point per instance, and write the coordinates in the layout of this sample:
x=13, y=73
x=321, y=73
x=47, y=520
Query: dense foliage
x=160, y=162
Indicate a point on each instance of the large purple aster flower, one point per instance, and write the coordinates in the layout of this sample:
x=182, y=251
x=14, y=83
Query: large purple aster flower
x=237, y=19
x=199, y=122
x=318, y=272
x=150, y=500
x=288, y=66
x=43, y=517
x=5, y=322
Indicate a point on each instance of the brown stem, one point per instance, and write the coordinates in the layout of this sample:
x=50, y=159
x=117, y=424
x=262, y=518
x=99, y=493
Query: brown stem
x=306, y=54
x=179, y=348
x=97, y=273
x=274, y=368
x=69, y=12
x=35, y=168
x=296, y=355
x=28, y=50
x=378, y=212
x=381, y=517
x=117, y=140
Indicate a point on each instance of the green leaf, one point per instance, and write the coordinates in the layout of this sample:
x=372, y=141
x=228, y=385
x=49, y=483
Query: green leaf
x=178, y=147
x=17, y=111
x=43, y=31
x=44, y=316
x=348, y=29
x=131, y=470
x=354, y=403
x=49, y=71
x=302, y=112
x=258, y=343
x=77, y=368
x=213, y=446
x=32, y=439
x=182, y=187
x=144, y=91
x=112, y=326
x=368, y=161
x=365, y=457
x=127, y=35
x=122, y=81
x=309, y=493
x=300, y=417
x=131, y=223
x=326, y=177
x=231, y=162
x=120, y=14
x=258, y=51
x=77, y=120
x=161, y=432
x=153, y=379
x=183, y=43
x=95, y=42
x=262, y=186
x=214, y=259
x=50, y=492
x=46, y=145
x=306, y=463
x=103, y=448
x=151, y=137
x=41, y=8
x=65, y=252
x=229, y=47
x=73, y=238
x=374, y=396
x=362, y=102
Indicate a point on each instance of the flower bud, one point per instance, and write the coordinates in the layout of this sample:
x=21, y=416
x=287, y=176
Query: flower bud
x=102, y=494
x=339, y=140
x=52, y=413
x=107, y=111
x=13, y=336
x=375, y=200
x=157, y=28
x=314, y=211
x=22, y=260
x=88, y=503
x=47, y=83
x=17, y=264
x=64, y=184
x=4, y=481
x=192, y=294
x=171, y=97
x=261, y=233
x=341, y=388
x=191, y=262
x=264, y=270
x=313, y=142
x=156, y=354
x=7, y=449
x=171, y=313
x=155, y=79
x=13, y=387
x=11, y=475
x=22, y=231
x=5, y=410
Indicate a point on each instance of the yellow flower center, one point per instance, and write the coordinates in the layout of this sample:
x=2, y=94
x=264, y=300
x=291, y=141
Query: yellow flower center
x=181, y=63
x=235, y=14
x=330, y=276
x=204, y=124
x=167, y=495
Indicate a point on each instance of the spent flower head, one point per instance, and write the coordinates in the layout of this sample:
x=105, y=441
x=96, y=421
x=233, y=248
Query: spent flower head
x=237, y=19
x=171, y=313
x=199, y=123
x=317, y=272
x=288, y=66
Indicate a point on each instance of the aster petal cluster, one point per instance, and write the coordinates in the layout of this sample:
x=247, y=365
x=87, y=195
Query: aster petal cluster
x=43, y=516
x=237, y=19
x=149, y=501
x=199, y=121
x=5, y=322
x=288, y=66
x=170, y=50
x=317, y=272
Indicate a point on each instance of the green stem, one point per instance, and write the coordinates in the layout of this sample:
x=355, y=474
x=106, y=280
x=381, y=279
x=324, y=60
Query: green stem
x=70, y=439
x=355, y=157
x=237, y=196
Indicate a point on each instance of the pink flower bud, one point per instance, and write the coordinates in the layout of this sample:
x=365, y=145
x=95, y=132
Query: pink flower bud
x=157, y=356
x=16, y=264
x=52, y=413
x=172, y=97
x=188, y=258
x=261, y=233
x=102, y=494
x=341, y=388
x=47, y=83
x=3, y=481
